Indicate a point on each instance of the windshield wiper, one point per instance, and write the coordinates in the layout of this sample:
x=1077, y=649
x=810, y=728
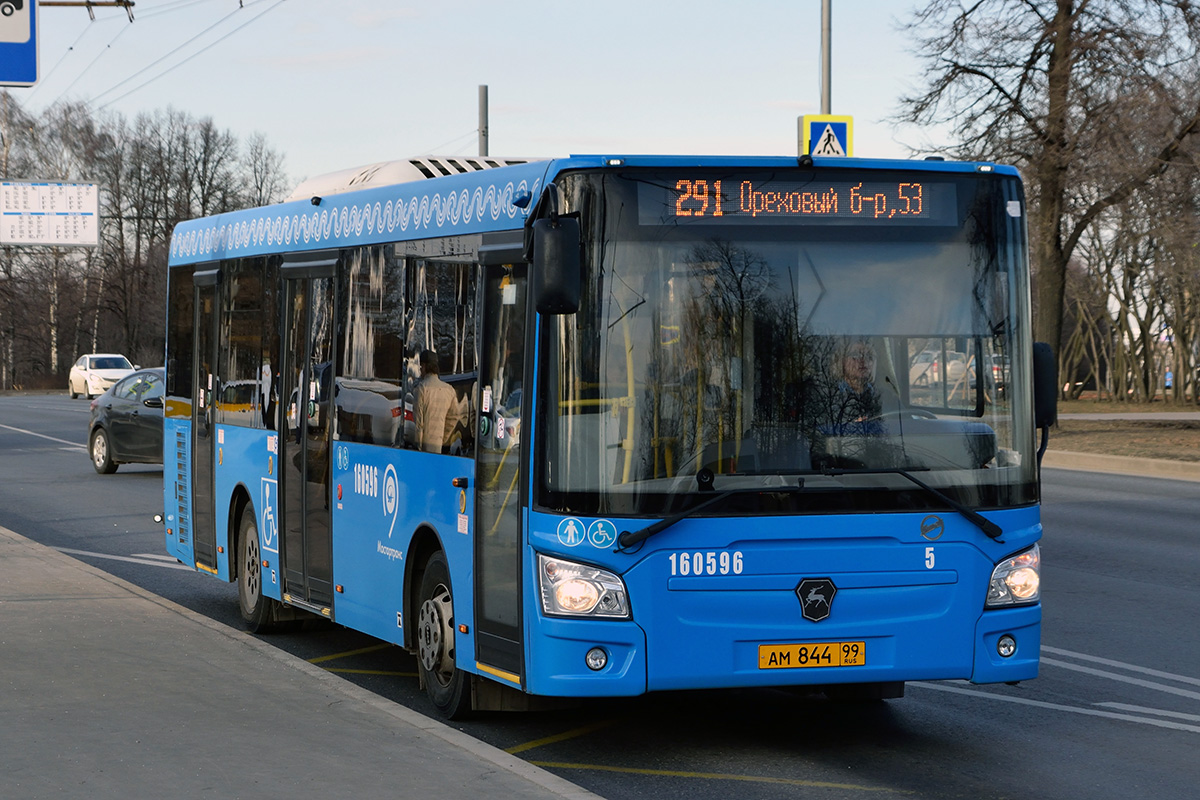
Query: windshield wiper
x=991, y=529
x=630, y=538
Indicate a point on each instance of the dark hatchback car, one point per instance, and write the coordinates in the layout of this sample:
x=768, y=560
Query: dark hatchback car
x=127, y=422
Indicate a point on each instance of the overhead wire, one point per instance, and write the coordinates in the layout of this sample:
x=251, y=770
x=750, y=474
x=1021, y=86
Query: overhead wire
x=193, y=55
x=455, y=141
x=57, y=64
x=158, y=61
x=168, y=8
x=86, y=69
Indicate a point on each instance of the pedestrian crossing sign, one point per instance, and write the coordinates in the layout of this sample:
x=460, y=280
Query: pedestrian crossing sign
x=828, y=135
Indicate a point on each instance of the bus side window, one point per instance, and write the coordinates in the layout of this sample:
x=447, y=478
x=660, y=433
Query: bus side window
x=441, y=322
x=368, y=391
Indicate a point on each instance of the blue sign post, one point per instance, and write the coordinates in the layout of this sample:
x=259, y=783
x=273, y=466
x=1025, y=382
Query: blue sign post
x=18, y=43
x=828, y=135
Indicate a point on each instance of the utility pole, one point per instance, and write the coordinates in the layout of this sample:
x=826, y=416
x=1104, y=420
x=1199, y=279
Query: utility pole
x=483, y=120
x=826, y=59
x=826, y=72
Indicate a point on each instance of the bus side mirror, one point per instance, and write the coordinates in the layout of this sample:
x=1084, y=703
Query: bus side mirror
x=1045, y=386
x=556, y=265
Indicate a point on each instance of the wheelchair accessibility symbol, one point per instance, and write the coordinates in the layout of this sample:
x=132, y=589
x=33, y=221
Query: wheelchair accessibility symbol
x=268, y=525
x=602, y=533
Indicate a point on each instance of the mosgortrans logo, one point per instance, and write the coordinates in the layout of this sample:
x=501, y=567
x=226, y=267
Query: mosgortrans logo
x=391, y=497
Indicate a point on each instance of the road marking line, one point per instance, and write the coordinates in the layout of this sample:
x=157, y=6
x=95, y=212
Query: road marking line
x=348, y=653
x=1087, y=712
x=142, y=561
x=1121, y=665
x=1159, y=711
x=74, y=445
x=719, y=776
x=560, y=737
x=1112, y=676
x=156, y=557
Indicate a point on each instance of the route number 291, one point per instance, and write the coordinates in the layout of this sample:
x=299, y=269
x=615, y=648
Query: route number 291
x=709, y=563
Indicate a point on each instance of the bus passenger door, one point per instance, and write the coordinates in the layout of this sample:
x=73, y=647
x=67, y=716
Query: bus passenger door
x=204, y=388
x=304, y=466
x=499, y=481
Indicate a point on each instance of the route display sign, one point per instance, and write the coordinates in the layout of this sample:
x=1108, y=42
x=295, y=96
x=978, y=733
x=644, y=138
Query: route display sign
x=48, y=213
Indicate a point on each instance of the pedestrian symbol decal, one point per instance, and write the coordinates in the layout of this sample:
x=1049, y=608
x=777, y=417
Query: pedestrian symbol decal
x=571, y=532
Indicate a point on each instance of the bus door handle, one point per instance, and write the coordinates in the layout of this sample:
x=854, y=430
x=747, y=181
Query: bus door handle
x=460, y=483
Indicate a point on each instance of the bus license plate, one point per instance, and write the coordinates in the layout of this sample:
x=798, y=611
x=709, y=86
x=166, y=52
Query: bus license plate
x=824, y=654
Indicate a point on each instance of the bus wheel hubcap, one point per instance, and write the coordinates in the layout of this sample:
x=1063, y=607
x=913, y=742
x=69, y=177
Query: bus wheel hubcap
x=434, y=634
x=250, y=573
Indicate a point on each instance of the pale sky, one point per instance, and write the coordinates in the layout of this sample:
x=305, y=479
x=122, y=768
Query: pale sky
x=335, y=84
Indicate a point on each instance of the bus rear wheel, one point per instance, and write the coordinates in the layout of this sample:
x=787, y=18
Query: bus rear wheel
x=447, y=686
x=257, y=611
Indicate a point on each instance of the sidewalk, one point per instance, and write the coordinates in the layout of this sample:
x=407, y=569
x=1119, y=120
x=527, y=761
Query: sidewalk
x=1157, y=416
x=108, y=691
x=1121, y=465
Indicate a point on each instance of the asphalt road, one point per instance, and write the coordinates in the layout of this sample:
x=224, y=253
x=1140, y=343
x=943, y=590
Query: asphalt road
x=1114, y=714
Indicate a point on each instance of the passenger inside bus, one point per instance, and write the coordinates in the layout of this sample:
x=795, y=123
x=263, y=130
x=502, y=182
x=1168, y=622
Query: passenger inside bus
x=433, y=401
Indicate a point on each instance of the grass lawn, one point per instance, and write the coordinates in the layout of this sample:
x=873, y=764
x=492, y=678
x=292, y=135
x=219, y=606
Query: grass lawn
x=1177, y=440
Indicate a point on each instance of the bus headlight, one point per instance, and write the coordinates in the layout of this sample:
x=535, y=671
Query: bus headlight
x=1016, y=580
x=579, y=590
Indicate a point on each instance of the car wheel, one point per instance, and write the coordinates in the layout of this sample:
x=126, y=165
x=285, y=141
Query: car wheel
x=71, y=389
x=446, y=685
x=101, y=453
x=257, y=611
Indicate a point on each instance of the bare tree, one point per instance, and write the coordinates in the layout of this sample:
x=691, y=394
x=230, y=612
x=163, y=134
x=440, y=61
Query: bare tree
x=1173, y=205
x=15, y=162
x=262, y=167
x=60, y=143
x=154, y=172
x=1055, y=86
x=1086, y=356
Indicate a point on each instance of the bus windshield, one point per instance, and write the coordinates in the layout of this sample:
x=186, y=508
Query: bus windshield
x=751, y=330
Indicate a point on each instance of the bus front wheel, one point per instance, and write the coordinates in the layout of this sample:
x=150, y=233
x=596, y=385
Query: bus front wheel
x=447, y=686
x=257, y=611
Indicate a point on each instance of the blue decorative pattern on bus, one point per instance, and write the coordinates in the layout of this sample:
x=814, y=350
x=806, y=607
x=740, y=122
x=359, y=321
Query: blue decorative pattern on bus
x=402, y=211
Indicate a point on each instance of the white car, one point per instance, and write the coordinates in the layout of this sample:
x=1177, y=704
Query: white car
x=94, y=373
x=920, y=368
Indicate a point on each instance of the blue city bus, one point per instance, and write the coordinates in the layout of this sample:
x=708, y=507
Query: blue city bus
x=602, y=426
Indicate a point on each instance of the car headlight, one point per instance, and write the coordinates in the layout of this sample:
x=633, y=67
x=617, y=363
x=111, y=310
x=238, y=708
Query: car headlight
x=1016, y=580
x=579, y=590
